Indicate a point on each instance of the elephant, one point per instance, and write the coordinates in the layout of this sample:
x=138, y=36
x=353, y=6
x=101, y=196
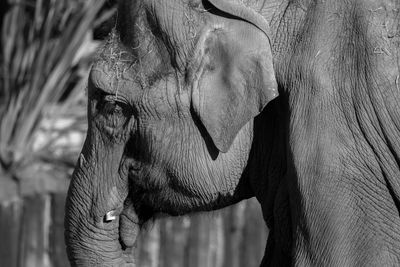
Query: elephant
x=194, y=105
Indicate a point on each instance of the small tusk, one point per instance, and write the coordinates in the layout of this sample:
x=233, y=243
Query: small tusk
x=110, y=216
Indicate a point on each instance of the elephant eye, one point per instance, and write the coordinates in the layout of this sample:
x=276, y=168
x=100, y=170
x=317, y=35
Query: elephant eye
x=114, y=112
x=112, y=109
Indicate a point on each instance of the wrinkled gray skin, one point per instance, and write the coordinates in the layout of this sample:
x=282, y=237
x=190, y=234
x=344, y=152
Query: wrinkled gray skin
x=184, y=116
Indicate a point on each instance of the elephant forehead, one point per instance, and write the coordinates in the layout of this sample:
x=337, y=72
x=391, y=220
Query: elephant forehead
x=165, y=30
x=176, y=21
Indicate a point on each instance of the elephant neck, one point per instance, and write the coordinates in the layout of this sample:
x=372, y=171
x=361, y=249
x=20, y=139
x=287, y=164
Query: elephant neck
x=286, y=19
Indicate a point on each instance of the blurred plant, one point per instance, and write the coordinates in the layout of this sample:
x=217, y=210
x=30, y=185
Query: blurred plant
x=41, y=73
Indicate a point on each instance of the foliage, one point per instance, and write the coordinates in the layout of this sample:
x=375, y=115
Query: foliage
x=42, y=72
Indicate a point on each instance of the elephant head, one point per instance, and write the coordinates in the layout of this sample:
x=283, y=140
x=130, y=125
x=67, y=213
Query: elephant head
x=182, y=118
x=172, y=100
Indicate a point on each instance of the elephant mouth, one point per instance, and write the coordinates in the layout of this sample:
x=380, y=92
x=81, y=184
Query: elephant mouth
x=128, y=231
x=128, y=228
x=126, y=240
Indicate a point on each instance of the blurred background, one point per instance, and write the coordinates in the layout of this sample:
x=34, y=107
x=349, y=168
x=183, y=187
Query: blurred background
x=46, y=52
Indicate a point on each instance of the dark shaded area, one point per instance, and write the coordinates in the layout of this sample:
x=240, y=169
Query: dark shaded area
x=4, y=7
x=212, y=149
x=102, y=30
x=10, y=214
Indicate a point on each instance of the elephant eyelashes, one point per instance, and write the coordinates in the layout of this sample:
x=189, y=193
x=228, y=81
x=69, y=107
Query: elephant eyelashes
x=113, y=113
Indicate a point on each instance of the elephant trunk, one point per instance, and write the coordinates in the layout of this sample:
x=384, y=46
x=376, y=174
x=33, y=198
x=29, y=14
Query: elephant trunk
x=93, y=208
x=99, y=222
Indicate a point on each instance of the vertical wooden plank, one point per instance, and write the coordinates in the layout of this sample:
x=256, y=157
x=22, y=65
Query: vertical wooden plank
x=174, y=239
x=58, y=255
x=217, y=241
x=255, y=235
x=234, y=223
x=148, y=252
x=10, y=220
x=196, y=254
x=203, y=241
x=34, y=232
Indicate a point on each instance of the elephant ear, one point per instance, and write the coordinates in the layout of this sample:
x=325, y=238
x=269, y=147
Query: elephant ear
x=235, y=78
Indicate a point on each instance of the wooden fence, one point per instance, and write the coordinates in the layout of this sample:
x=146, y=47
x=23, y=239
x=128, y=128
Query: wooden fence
x=32, y=233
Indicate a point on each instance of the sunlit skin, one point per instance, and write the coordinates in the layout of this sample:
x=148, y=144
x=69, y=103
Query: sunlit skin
x=184, y=115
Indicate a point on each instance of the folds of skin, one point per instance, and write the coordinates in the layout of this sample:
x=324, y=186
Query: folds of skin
x=322, y=159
